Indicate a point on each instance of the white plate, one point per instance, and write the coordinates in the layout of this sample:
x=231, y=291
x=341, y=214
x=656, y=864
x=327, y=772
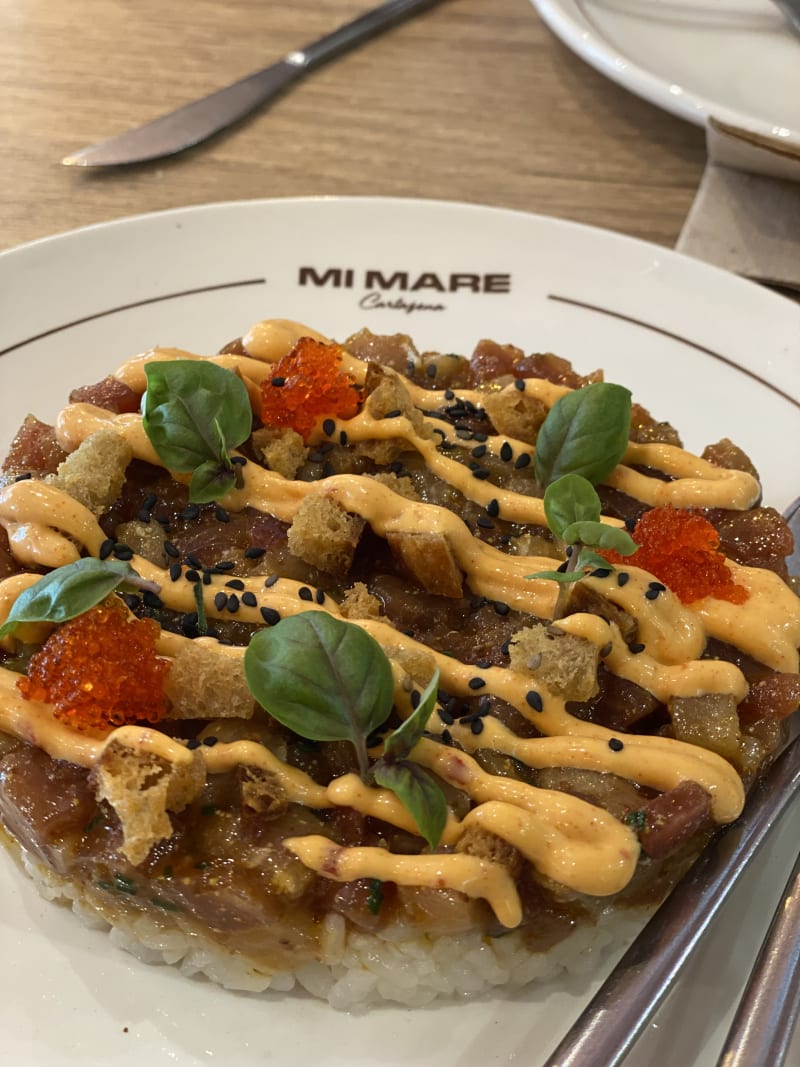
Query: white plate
x=716, y=354
x=735, y=60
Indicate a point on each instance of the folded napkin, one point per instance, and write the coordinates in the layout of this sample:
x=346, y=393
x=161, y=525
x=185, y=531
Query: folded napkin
x=746, y=215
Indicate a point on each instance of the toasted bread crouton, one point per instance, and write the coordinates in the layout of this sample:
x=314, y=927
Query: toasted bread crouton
x=566, y=664
x=325, y=535
x=386, y=392
x=95, y=472
x=142, y=788
x=418, y=664
x=516, y=414
x=262, y=792
x=203, y=683
x=281, y=449
x=359, y=603
x=399, y=484
x=476, y=841
x=145, y=538
x=430, y=559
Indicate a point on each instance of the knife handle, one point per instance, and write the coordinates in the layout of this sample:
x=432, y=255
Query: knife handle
x=360, y=29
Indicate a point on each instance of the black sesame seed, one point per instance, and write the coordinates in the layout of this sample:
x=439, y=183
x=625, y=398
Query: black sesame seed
x=449, y=394
x=143, y=515
x=305, y=593
x=190, y=512
x=342, y=437
x=504, y=648
x=622, y=578
x=234, y=583
x=123, y=552
x=163, y=520
x=519, y=384
x=192, y=575
x=636, y=647
x=270, y=616
x=476, y=726
x=175, y=571
x=220, y=600
x=131, y=601
x=501, y=608
x=446, y=717
x=395, y=413
x=193, y=743
x=522, y=460
x=615, y=744
x=484, y=523
x=316, y=457
x=329, y=427
x=657, y=587
x=652, y=594
x=209, y=742
x=600, y=572
x=481, y=474
x=484, y=706
x=106, y=548
x=562, y=567
x=220, y=514
x=605, y=650
x=206, y=577
x=249, y=599
x=416, y=696
x=23, y=477
x=534, y=700
x=447, y=737
x=506, y=452
x=482, y=437
x=273, y=578
x=193, y=561
x=152, y=600
x=171, y=550
x=278, y=381
x=476, y=683
x=440, y=431
x=233, y=603
x=430, y=370
x=254, y=553
x=483, y=664
x=630, y=525
x=479, y=451
x=224, y=565
x=240, y=460
x=493, y=508
x=464, y=435
x=319, y=596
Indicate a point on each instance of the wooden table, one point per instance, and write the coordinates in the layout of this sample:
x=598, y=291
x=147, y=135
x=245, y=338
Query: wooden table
x=474, y=100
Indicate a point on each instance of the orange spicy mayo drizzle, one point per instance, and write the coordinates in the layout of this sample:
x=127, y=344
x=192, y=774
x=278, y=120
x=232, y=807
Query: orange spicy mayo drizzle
x=575, y=843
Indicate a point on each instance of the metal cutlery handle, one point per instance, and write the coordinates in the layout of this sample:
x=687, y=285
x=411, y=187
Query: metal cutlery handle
x=765, y=1020
x=359, y=29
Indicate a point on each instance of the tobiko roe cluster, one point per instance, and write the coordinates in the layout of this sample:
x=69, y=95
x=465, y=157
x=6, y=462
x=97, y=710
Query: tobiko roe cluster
x=307, y=384
x=681, y=549
x=100, y=669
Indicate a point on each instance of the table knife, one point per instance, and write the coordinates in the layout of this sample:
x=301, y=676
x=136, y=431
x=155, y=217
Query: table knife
x=195, y=122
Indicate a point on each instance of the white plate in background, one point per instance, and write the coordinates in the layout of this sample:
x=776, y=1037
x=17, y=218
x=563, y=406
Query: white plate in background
x=736, y=60
x=716, y=355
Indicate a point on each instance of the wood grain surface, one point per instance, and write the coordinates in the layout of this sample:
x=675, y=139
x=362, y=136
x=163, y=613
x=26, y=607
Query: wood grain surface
x=474, y=100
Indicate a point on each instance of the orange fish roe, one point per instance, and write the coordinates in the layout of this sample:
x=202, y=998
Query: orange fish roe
x=306, y=385
x=681, y=549
x=100, y=669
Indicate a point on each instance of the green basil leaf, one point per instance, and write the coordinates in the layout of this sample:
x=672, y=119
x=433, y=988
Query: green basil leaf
x=562, y=577
x=68, y=591
x=585, y=432
x=323, y=678
x=195, y=412
x=568, y=500
x=600, y=535
x=400, y=742
x=419, y=792
x=587, y=558
x=211, y=481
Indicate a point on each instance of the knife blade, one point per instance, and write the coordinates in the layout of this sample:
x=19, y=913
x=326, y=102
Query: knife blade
x=201, y=119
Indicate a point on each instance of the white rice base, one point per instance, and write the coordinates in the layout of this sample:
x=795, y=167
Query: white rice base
x=357, y=969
